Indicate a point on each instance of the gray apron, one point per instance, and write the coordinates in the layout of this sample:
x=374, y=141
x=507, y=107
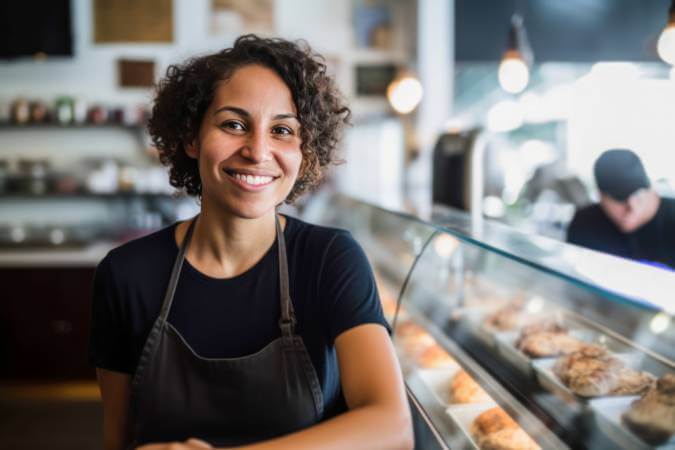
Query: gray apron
x=177, y=394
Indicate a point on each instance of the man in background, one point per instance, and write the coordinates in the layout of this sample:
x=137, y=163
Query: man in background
x=631, y=220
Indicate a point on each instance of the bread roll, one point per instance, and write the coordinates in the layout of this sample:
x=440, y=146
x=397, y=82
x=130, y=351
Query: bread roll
x=463, y=389
x=434, y=356
x=494, y=429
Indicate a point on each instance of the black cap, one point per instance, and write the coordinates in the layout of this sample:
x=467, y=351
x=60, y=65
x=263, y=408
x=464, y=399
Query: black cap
x=619, y=173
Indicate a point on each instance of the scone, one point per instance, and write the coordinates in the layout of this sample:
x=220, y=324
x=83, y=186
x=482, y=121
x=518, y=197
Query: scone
x=588, y=372
x=495, y=430
x=464, y=389
x=510, y=317
x=509, y=439
x=593, y=371
x=543, y=344
x=652, y=417
x=412, y=339
x=491, y=421
x=434, y=356
x=632, y=382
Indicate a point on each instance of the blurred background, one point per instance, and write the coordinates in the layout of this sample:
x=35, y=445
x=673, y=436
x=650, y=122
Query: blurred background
x=495, y=107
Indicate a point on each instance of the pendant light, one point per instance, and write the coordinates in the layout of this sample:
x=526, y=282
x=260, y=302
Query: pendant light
x=666, y=44
x=404, y=93
x=514, y=69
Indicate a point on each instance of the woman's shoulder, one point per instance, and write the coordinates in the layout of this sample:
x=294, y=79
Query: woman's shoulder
x=318, y=237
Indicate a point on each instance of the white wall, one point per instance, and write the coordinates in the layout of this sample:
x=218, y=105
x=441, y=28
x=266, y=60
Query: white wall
x=91, y=75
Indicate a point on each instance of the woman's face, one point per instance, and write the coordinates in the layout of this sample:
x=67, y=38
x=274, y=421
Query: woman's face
x=248, y=147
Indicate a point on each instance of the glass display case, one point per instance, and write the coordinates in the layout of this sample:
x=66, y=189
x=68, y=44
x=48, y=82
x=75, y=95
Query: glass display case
x=514, y=341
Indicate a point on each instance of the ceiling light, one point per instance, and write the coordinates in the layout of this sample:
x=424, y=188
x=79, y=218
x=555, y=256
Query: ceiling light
x=514, y=69
x=666, y=44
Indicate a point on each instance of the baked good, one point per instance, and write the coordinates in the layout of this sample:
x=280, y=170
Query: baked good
x=464, y=389
x=652, y=417
x=633, y=382
x=495, y=430
x=554, y=325
x=509, y=439
x=510, y=317
x=592, y=371
x=412, y=338
x=543, y=344
x=434, y=356
x=490, y=421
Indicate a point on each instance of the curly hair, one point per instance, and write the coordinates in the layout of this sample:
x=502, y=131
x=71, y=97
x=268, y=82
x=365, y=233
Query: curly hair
x=185, y=93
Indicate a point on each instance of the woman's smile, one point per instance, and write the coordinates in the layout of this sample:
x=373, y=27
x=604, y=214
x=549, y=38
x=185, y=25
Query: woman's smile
x=249, y=180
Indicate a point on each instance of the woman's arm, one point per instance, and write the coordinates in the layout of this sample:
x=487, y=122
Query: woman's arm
x=378, y=416
x=115, y=390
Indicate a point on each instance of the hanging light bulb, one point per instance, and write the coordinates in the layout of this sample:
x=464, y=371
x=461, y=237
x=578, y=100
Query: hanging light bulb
x=404, y=94
x=666, y=44
x=514, y=69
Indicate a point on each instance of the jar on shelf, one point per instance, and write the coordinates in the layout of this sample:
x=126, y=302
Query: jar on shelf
x=20, y=111
x=64, y=110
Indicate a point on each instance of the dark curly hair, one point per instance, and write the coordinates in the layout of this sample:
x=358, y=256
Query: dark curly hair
x=186, y=92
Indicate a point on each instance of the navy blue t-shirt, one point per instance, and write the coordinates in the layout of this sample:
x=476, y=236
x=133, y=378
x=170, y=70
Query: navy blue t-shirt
x=331, y=285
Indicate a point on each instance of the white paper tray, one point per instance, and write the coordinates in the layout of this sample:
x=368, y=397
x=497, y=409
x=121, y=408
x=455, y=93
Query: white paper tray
x=607, y=413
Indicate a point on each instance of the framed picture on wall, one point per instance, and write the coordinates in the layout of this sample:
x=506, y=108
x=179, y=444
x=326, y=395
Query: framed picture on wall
x=373, y=24
x=372, y=79
x=133, y=21
x=242, y=16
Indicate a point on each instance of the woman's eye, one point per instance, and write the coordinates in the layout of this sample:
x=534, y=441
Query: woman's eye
x=284, y=131
x=233, y=125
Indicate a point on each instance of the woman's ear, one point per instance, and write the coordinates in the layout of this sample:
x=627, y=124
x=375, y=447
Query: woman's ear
x=192, y=150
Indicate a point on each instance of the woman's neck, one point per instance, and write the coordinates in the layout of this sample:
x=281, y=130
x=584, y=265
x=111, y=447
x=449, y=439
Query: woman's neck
x=224, y=246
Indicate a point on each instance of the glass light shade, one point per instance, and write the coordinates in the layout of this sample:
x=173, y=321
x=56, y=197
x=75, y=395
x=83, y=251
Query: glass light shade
x=404, y=94
x=513, y=73
x=666, y=44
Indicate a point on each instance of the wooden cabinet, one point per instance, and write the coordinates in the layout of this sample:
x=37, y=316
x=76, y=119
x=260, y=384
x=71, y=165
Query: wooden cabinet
x=44, y=323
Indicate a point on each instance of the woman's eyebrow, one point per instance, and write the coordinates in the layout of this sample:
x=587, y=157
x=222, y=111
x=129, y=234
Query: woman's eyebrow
x=242, y=112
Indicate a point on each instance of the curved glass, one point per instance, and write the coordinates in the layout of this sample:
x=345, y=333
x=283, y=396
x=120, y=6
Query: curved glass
x=501, y=337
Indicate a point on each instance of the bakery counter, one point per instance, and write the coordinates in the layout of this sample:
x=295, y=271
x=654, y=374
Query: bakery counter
x=511, y=343
x=85, y=256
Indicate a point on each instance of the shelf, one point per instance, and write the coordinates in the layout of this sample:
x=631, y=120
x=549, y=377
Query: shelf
x=57, y=126
x=94, y=195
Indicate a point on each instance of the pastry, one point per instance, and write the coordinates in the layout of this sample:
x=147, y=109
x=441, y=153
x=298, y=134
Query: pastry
x=464, y=389
x=552, y=325
x=543, y=344
x=510, y=317
x=434, y=356
x=593, y=371
x=652, y=417
x=495, y=430
x=633, y=382
x=413, y=339
x=509, y=439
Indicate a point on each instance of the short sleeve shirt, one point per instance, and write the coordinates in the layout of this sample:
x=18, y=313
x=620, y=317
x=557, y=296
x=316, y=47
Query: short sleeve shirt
x=331, y=286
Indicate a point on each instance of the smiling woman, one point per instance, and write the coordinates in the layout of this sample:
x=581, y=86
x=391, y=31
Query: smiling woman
x=242, y=327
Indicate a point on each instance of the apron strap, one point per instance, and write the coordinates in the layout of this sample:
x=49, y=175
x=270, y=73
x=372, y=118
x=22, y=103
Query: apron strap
x=287, y=320
x=175, y=273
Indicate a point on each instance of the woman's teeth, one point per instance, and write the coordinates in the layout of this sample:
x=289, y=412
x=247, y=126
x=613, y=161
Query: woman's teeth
x=252, y=179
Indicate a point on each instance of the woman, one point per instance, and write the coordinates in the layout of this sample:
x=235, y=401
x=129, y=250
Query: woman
x=242, y=327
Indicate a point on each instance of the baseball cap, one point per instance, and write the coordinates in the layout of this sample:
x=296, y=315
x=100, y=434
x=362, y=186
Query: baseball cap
x=619, y=173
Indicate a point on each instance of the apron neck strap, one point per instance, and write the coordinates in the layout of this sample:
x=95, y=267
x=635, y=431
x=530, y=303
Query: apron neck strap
x=175, y=273
x=287, y=320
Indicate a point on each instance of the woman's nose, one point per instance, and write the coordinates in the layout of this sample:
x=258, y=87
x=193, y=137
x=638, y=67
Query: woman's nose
x=257, y=148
